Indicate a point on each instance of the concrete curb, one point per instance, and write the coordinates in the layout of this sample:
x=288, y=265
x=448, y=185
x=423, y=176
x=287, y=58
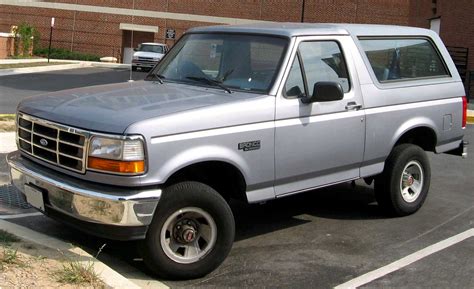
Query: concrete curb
x=110, y=277
x=7, y=142
x=72, y=64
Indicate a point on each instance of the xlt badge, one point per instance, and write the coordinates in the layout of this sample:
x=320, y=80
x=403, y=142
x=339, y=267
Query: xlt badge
x=250, y=145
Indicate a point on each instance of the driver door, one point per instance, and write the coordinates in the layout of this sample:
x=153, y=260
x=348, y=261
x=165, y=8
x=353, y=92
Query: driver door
x=319, y=143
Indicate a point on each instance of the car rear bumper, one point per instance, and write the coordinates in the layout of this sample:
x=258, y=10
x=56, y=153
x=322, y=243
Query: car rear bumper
x=94, y=205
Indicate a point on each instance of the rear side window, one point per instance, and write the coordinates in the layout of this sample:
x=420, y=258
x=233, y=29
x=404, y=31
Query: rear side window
x=403, y=59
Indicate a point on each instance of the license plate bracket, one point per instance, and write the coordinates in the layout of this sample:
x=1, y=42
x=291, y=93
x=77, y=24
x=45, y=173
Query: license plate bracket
x=34, y=197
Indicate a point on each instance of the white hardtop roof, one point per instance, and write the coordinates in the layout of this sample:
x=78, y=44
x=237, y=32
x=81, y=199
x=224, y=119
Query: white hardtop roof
x=305, y=29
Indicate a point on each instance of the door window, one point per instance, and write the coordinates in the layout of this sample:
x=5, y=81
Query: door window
x=321, y=61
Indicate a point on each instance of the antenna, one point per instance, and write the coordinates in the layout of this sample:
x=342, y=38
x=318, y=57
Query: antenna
x=130, y=79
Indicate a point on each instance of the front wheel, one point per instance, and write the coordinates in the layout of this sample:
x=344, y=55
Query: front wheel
x=191, y=234
x=403, y=186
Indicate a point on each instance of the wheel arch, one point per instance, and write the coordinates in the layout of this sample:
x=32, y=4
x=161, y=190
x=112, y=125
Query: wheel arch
x=226, y=178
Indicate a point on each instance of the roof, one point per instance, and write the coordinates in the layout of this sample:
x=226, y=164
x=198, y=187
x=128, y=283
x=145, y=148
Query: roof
x=153, y=43
x=304, y=29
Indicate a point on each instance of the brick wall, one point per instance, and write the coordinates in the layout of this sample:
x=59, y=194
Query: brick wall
x=100, y=34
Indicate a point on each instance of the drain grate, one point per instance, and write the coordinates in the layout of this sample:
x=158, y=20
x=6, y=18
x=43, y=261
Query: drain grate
x=11, y=197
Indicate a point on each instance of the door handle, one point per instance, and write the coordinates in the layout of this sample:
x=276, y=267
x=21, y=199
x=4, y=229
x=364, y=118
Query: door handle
x=353, y=106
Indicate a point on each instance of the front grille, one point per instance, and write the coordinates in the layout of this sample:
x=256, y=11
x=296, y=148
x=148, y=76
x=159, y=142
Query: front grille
x=146, y=59
x=54, y=143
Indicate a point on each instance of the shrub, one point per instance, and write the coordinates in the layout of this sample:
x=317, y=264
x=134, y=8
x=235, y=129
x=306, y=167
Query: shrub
x=26, y=35
x=61, y=53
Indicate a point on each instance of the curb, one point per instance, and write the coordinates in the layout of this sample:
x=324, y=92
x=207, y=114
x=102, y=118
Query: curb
x=109, y=276
x=7, y=142
x=72, y=64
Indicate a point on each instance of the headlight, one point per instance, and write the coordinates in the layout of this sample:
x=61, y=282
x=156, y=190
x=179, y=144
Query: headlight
x=124, y=156
x=135, y=57
x=156, y=58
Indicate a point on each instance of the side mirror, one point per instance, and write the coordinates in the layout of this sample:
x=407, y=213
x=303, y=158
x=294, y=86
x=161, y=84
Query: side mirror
x=135, y=49
x=325, y=91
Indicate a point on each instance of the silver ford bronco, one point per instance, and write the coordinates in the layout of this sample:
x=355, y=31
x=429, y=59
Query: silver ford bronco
x=252, y=112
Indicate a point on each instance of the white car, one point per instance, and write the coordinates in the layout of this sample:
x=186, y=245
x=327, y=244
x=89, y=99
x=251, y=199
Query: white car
x=147, y=55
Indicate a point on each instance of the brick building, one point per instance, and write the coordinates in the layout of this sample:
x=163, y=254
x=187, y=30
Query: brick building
x=103, y=27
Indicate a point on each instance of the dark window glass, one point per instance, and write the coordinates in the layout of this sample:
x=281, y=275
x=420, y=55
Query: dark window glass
x=151, y=48
x=399, y=59
x=294, y=86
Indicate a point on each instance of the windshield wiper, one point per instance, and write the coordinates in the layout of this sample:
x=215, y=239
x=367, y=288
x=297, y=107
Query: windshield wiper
x=154, y=76
x=210, y=81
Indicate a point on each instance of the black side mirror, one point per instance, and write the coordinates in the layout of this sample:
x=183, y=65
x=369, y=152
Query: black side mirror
x=135, y=49
x=325, y=91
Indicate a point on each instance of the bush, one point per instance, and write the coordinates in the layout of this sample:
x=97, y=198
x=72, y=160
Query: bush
x=61, y=53
x=26, y=35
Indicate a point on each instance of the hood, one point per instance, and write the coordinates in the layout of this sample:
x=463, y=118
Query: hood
x=114, y=107
x=147, y=54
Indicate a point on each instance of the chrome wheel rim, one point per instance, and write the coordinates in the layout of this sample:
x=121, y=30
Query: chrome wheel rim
x=188, y=235
x=411, y=182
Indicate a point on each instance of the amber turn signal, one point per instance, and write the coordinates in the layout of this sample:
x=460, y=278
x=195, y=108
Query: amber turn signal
x=123, y=167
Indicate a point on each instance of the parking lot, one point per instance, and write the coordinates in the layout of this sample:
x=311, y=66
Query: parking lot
x=319, y=239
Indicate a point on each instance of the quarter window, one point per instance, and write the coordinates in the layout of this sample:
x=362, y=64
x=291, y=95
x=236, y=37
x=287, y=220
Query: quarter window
x=403, y=59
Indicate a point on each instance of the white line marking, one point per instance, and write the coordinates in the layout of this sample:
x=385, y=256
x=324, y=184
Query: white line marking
x=392, y=267
x=5, y=217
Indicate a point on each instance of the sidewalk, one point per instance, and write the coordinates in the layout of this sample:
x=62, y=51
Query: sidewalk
x=7, y=142
x=71, y=64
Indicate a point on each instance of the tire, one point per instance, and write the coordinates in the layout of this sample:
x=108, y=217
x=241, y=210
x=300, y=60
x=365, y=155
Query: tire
x=189, y=215
x=402, y=194
x=134, y=68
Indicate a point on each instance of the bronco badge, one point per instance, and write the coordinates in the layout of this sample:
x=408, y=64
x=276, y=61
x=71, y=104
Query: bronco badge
x=249, y=146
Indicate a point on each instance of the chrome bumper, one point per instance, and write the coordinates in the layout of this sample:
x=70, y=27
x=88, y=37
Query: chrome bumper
x=82, y=200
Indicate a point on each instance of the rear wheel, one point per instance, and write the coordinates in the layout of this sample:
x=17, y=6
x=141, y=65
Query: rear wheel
x=403, y=186
x=191, y=234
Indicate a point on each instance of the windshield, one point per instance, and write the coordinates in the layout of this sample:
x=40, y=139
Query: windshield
x=151, y=48
x=239, y=62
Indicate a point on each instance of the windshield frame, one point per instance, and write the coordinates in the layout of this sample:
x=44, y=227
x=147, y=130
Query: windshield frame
x=151, y=45
x=166, y=59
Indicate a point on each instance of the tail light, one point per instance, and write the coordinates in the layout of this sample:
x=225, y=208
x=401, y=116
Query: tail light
x=464, y=111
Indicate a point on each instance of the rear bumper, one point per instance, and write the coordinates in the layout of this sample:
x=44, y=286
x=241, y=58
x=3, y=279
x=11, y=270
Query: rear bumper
x=460, y=151
x=91, y=207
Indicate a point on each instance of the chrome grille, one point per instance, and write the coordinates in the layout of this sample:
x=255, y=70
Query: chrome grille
x=54, y=143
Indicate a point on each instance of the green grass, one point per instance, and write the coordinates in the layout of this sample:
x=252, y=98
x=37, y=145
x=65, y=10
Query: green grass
x=7, y=117
x=7, y=238
x=7, y=123
x=74, y=272
x=30, y=64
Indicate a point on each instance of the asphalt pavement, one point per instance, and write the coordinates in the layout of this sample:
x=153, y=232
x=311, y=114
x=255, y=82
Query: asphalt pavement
x=318, y=239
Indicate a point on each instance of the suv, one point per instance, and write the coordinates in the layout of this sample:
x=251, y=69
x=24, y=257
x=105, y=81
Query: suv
x=253, y=112
x=147, y=55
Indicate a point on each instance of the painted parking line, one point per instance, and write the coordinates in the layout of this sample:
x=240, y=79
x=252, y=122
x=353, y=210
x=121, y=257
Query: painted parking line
x=397, y=265
x=16, y=216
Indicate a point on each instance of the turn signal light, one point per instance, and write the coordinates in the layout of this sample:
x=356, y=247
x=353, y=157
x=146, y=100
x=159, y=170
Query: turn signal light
x=123, y=167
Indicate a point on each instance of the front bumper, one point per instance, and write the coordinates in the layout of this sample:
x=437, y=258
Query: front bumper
x=144, y=64
x=95, y=205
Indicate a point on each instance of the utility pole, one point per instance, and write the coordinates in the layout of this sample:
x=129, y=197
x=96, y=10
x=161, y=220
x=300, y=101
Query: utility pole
x=50, y=37
x=302, y=11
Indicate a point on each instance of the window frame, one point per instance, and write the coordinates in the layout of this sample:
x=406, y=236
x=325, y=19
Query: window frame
x=303, y=71
x=402, y=80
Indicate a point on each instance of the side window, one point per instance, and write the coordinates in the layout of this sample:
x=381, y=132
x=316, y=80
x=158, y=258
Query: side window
x=323, y=61
x=403, y=59
x=294, y=86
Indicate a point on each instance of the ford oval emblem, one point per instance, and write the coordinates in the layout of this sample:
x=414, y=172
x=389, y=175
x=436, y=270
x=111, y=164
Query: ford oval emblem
x=43, y=142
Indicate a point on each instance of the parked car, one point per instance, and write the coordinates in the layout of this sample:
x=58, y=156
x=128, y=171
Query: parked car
x=252, y=112
x=147, y=55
